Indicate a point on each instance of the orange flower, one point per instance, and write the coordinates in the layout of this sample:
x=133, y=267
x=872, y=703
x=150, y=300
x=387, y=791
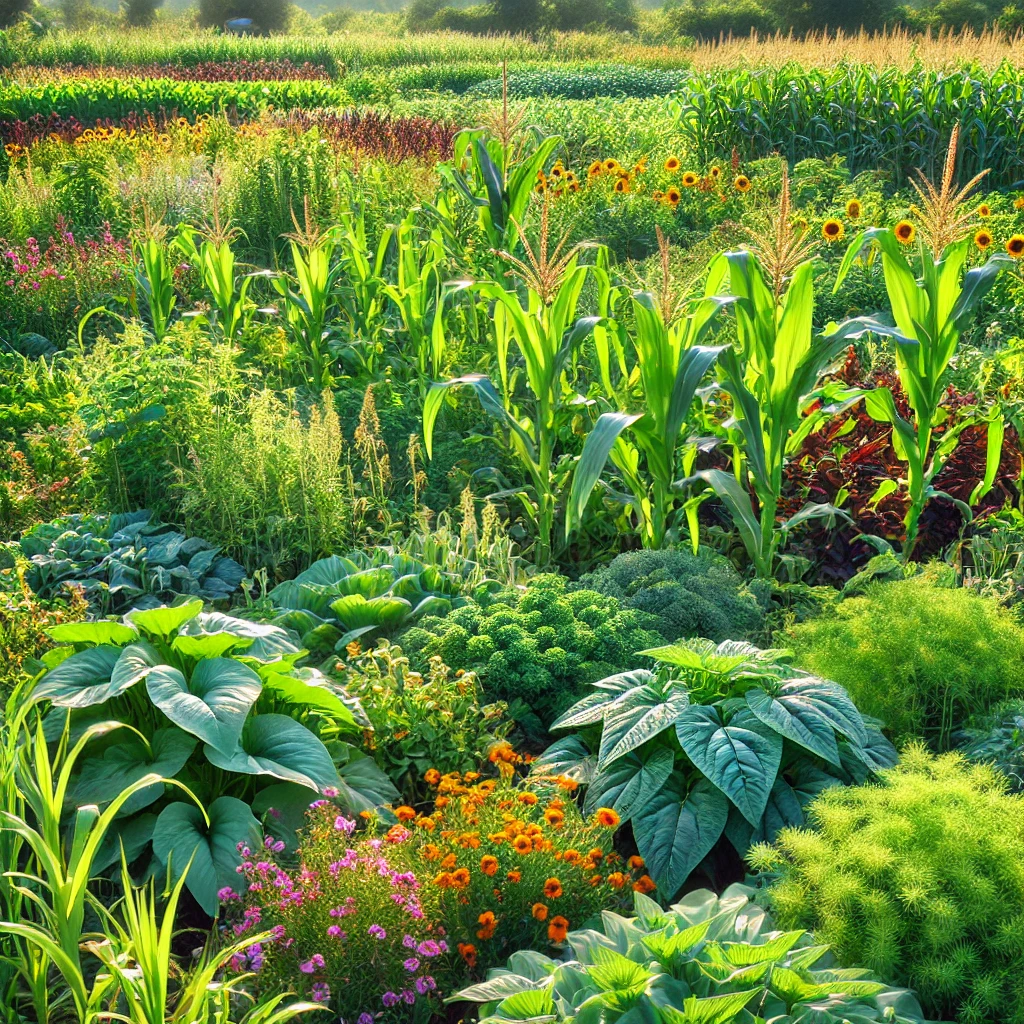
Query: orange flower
x=431, y=852
x=539, y=911
x=487, y=786
x=596, y=880
x=488, y=865
x=572, y=856
x=468, y=953
x=528, y=798
x=449, y=861
x=432, y=776
x=636, y=862
x=606, y=817
x=617, y=879
x=426, y=823
x=554, y=817
x=596, y=855
x=514, y=876
x=469, y=841
x=441, y=802
x=644, y=884
x=443, y=880
x=488, y=923
x=471, y=776
x=460, y=878
x=558, y=929
x=569, y=785
x=522, y=844
x=552, y=888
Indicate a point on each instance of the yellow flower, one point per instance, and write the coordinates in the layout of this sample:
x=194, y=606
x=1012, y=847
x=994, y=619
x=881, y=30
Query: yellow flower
x=622, y=185
x=595, y=169
x=853, y=209
x=983, y=239
x=672, y=164
x=1015, y=246
x=606, y=817
x=984, y=210
x=715, y=171
x=1018, y=203
x=611, y=165
x=741, y=183
x=832, y=230
x=690, y=179
x=672, y=196
x=905, y=232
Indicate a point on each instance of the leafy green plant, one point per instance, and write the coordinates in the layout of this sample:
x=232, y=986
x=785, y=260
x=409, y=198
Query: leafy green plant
x=125, y=561
x=920, y=657
x=534, y=647
x=997, y=738
x=917, y=877
x=182, y=677
x=215, y=259
x=930, y=313
x=363, y=596
x=725, y=740
x=688, y=594
x=717, y=960
x=155, y=281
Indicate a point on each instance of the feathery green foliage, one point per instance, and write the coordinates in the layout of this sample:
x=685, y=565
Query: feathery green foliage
x=920, y=879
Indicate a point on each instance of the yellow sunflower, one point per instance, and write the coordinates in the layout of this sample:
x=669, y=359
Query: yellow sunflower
x=983, y=239
x=832, y=230
x=853, y=209
x=741, y=183
x=690, y=179
x=672, y=164
x=984, y=210
x=1015, y=246
x=905, y=232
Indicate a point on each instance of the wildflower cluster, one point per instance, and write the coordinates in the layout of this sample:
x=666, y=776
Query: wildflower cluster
x=516, y=865
x=351, y=926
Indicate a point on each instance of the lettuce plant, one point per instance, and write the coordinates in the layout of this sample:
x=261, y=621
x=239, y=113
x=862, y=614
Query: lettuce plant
x=725, y=740
x=216, y=703
x=707, y=959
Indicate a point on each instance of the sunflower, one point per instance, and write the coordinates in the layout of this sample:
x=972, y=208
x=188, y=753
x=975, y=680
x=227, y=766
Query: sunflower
x=540, y=187
x=611, y=165
x=672, y=196
x=558, y=929
x=832, y=230
x=595, y=170
x=983, y=239
x=853, y=209
x=657, y=195
x=984, y=210
x=1018, y=203
x=672, y=164
x=553, y=888
x=690, y=179
x=905, y=232
x=622, y=185
x=1015, y=246
x=741, y=183
x=489, y=865
x=606, y=817
x=716, y=171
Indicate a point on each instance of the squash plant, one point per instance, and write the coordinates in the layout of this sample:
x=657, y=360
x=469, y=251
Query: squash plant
x=716, y=740
x=216, y=704
x=705, y=960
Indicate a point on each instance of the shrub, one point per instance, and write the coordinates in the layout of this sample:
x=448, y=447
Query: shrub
x=690, y=595
x=921, y=657
x=997, y=738
x=723, y=741
x=719, y=954
x=711, y=20
x=140, y=13
x=12, y=10
x=267, y=15
x=535, y=647
x=920, y=879
x=421, y=721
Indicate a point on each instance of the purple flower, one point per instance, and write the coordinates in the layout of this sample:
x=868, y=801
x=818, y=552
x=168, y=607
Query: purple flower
x=315, y=961
x=330, y=790
x=409, y=942
x=411, y=965
x=335, y=932
x=343, y=824
x=428, y=947
x=365, y=1018
x=409, y=996
x=321, y=992
x=425, y=985
x=375, y=931
x=389, y=999
x=225, y=894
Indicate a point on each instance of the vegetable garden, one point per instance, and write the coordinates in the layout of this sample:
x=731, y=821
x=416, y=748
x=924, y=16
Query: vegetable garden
x=510, y=530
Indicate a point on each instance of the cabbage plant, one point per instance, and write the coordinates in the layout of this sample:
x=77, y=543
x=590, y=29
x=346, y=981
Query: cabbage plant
x=216, y=703
x=724, y=740
x=705, y=960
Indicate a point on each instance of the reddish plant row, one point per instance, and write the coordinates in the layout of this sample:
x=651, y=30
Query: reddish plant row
x=276, y=70
x=395, y=138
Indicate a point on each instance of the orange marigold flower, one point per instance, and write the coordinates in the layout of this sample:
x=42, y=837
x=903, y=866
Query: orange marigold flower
x=426, y=823
x=527, y=798
x=488, y=865
x=432, y=776
x=469, y=841
x=553, y=888
x=596, y=880
x=449, y=861
x=539, y=911
x=488, y=923
x=606, y=817
x=617, y=879
x=644, y=884
x=468, y=953
x=636, y=862
x=460, y=878
x=569, y=785
x=431, y=852
x=443, y=880
x=471, y=776
x=558, y=929
x=596, y=855
x=487, y=786
x=441, y=802
x=522, y=844
x=554, y=817
x=572, y=856
x=515, y=876
x=404, y=813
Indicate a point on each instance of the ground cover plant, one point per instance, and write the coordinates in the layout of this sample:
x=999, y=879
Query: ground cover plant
x=497, y=501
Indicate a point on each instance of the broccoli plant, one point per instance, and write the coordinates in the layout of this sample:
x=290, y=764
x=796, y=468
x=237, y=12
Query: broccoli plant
x=535, y=647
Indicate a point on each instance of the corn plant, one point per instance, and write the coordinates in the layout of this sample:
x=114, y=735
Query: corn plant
x=155, y=281
x=671, y=363
x=547, y=333
x=215, y=260
x=930, y=313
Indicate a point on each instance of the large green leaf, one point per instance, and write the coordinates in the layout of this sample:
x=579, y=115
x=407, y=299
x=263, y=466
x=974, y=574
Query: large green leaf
x=212, y=704
x=630, y=782
x=268, y=643
x=742, y=758
x=676, y=829
x=278, y=745
x=307, y=688
x=102, y=778
x=95, y=633
x=163, y=622
x=129, y=834
x=797, y=720
x=363, y=786
x=637, y=716
x=83, y=679
x=829, y=699
x=181, y=834
x=355, y=612
x=710, y=1009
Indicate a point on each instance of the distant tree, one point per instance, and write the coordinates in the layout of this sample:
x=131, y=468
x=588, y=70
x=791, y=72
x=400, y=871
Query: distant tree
x=517, y=15
x=711, y=19
x=572, y=15
x=814, y=15
x=266, y=15
x=12, y=10
x=140, y=13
